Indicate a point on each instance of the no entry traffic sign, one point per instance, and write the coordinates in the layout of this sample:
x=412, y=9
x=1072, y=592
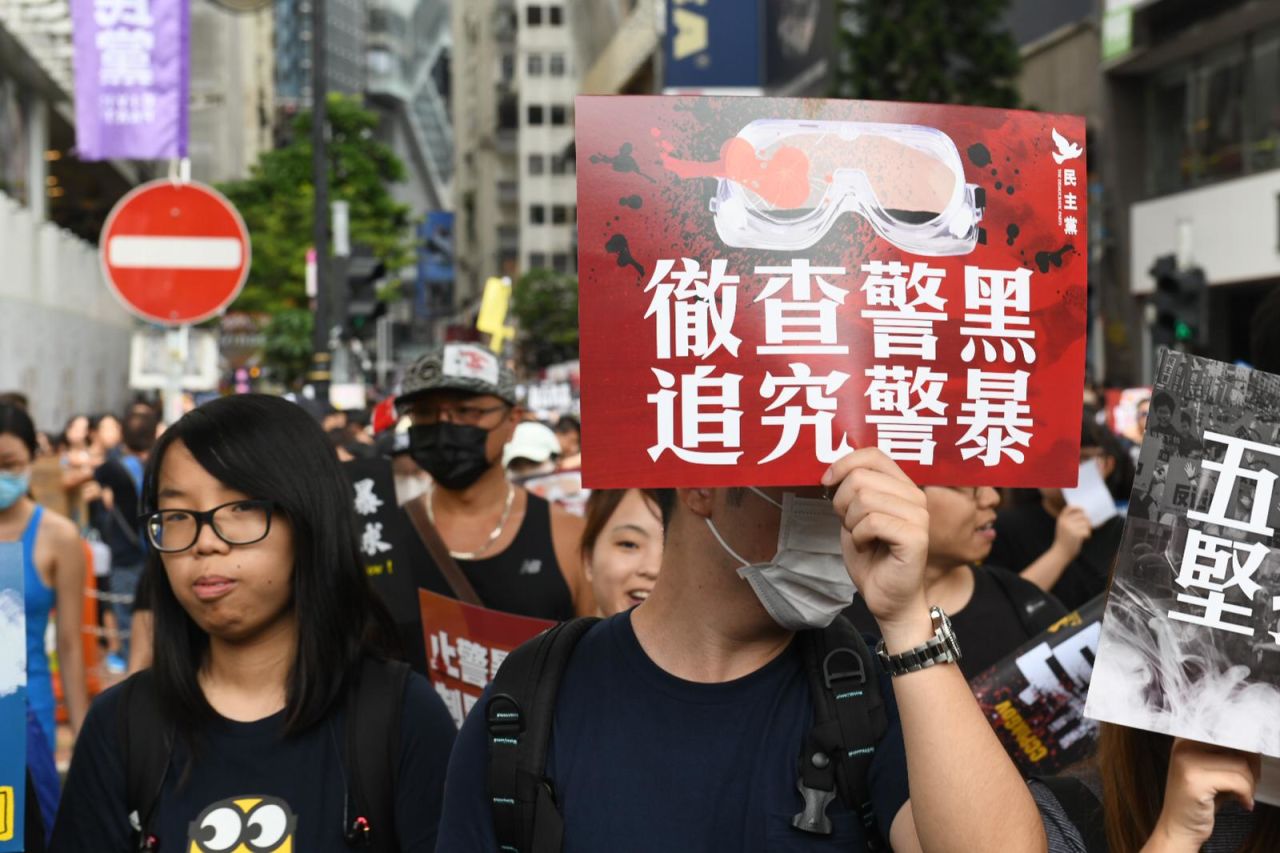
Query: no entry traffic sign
x=175, y=253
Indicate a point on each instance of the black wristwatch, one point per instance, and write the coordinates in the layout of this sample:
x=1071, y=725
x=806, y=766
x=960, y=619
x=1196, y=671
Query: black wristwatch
x=943, y=648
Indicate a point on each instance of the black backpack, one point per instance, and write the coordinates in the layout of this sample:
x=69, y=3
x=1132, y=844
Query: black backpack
x=370, y=754
x=849, y=720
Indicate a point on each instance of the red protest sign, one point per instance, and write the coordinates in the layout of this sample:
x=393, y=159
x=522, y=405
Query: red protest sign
x=175, y=253
x=466, y=645
x=767, y=283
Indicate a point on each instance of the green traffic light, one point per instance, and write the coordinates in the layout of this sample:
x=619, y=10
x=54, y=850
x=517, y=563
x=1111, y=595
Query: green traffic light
x=1182, y=331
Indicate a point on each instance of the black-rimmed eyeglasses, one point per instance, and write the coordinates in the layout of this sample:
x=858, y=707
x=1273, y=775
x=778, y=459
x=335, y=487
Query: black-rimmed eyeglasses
x=236, y=523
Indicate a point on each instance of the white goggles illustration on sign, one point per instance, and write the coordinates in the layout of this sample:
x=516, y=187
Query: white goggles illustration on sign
x=906, y=180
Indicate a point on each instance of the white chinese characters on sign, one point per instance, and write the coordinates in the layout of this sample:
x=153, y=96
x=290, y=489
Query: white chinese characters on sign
x=694, y=309
x=125, y=43
x=804, y=324
x=1214, y=568
x=460, y=659
x=699, y=412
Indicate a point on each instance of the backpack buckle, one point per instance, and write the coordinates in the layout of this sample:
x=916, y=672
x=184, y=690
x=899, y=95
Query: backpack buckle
x=503, y=716
x=831, y=675
x=813, y=818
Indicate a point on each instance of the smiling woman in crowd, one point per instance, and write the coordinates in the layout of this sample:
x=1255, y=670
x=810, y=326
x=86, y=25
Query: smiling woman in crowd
x=266, y=630
x=621, y=547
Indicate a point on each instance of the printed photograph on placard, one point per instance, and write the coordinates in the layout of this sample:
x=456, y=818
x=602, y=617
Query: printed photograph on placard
x=1190, y=642
x=767, y=283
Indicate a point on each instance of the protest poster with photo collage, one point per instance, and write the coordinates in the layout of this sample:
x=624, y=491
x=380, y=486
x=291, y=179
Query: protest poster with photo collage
x=1190, y=642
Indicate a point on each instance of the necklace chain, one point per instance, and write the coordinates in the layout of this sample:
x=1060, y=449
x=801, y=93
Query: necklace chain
x=493, y=537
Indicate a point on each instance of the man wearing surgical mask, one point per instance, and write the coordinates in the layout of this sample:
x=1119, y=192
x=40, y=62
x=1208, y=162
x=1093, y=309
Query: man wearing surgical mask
x=520, y=553
x=677, y=724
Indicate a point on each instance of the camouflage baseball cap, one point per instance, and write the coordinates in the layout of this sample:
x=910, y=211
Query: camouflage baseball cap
x=458, y=367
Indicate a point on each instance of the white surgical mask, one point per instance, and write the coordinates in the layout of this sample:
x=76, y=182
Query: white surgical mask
x=806, y=584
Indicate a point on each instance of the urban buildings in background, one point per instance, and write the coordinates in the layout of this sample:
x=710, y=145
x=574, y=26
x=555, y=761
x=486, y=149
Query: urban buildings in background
x=1182, y=100
x=231, y=106
x=1191, y=99
x=486, y=126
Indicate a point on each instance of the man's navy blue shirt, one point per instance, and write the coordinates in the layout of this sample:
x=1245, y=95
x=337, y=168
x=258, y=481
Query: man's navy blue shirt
x=644, y=761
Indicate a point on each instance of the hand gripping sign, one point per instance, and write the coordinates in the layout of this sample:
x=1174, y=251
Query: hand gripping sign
x=769, y=283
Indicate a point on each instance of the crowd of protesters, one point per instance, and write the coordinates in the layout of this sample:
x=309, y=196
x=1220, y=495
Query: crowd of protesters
x=268, y=710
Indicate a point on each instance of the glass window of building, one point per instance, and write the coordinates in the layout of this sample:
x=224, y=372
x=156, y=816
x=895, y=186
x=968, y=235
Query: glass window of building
x=533, y=65
x=560, y=262
x=537, y=164
x=533, y=16
x=537, y=260
x=1263, y=115
x=537, y=214
x=535, y=114
x=559, y=214
x=1217, y=119
x=559, y=115
x=1170, y=156
x=508, y=67
x=555, y=15
x=556, y=65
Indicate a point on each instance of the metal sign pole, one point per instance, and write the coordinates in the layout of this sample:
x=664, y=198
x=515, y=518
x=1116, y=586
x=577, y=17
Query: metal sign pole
x=177, y=341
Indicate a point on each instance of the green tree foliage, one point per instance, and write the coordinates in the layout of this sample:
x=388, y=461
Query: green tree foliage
x=287, y=348
x=545, y=307
x=930, y=51
x=277, y=202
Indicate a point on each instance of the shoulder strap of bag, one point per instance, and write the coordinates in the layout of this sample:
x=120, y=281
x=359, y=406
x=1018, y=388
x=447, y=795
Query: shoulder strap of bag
x=849, y=719
x=146, y=756
x=374, y=708
x=1028, y=601
x=519, y=715
x=1082, y=807
x=453, y=575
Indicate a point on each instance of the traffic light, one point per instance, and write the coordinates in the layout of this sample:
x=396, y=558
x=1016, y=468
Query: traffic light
x=365, y=274
x=1181, y=301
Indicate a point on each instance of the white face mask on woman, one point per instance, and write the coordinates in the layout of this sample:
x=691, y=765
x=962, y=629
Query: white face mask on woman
x=806, y=584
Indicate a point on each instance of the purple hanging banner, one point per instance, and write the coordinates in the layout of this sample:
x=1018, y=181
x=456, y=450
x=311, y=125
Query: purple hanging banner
x=132, y=74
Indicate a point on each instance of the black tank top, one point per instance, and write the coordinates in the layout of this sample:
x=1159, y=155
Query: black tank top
x=526, y=578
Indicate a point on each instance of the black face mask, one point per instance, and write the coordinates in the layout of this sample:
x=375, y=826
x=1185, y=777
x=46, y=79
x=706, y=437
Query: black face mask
x=453, y=454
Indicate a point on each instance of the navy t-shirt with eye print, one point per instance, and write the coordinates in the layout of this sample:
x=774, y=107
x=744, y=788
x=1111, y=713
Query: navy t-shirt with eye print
x=251, y=788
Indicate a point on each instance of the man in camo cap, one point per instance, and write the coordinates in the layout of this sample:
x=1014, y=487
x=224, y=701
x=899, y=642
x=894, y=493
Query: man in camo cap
x=519, y=552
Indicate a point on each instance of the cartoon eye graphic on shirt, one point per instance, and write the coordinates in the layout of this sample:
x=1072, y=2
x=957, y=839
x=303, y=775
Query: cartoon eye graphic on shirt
x=243, y=825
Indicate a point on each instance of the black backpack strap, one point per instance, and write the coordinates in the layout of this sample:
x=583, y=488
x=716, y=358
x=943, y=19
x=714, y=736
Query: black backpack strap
x=849, y=719
x=146, y=756
x=519, y=714
x=1082, y=807
x=374, y=707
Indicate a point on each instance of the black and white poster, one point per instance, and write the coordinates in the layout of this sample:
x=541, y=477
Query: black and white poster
x=1190, y=641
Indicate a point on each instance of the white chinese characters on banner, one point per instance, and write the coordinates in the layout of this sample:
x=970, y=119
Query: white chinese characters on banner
x=125, y=43
x=368, y=503
x=1215, y=568
x=699, y=413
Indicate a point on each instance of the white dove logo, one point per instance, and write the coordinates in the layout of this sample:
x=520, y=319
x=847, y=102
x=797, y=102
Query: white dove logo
x=1067, y=150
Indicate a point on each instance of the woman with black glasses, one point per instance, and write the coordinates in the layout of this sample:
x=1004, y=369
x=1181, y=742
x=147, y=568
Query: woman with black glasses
x=270, y=719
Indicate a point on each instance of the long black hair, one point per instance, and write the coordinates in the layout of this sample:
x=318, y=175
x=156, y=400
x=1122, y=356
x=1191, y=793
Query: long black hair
x=15, y=421
x=271, y=449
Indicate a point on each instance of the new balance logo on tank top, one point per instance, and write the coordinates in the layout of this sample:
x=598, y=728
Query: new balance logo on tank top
x=525, y=578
